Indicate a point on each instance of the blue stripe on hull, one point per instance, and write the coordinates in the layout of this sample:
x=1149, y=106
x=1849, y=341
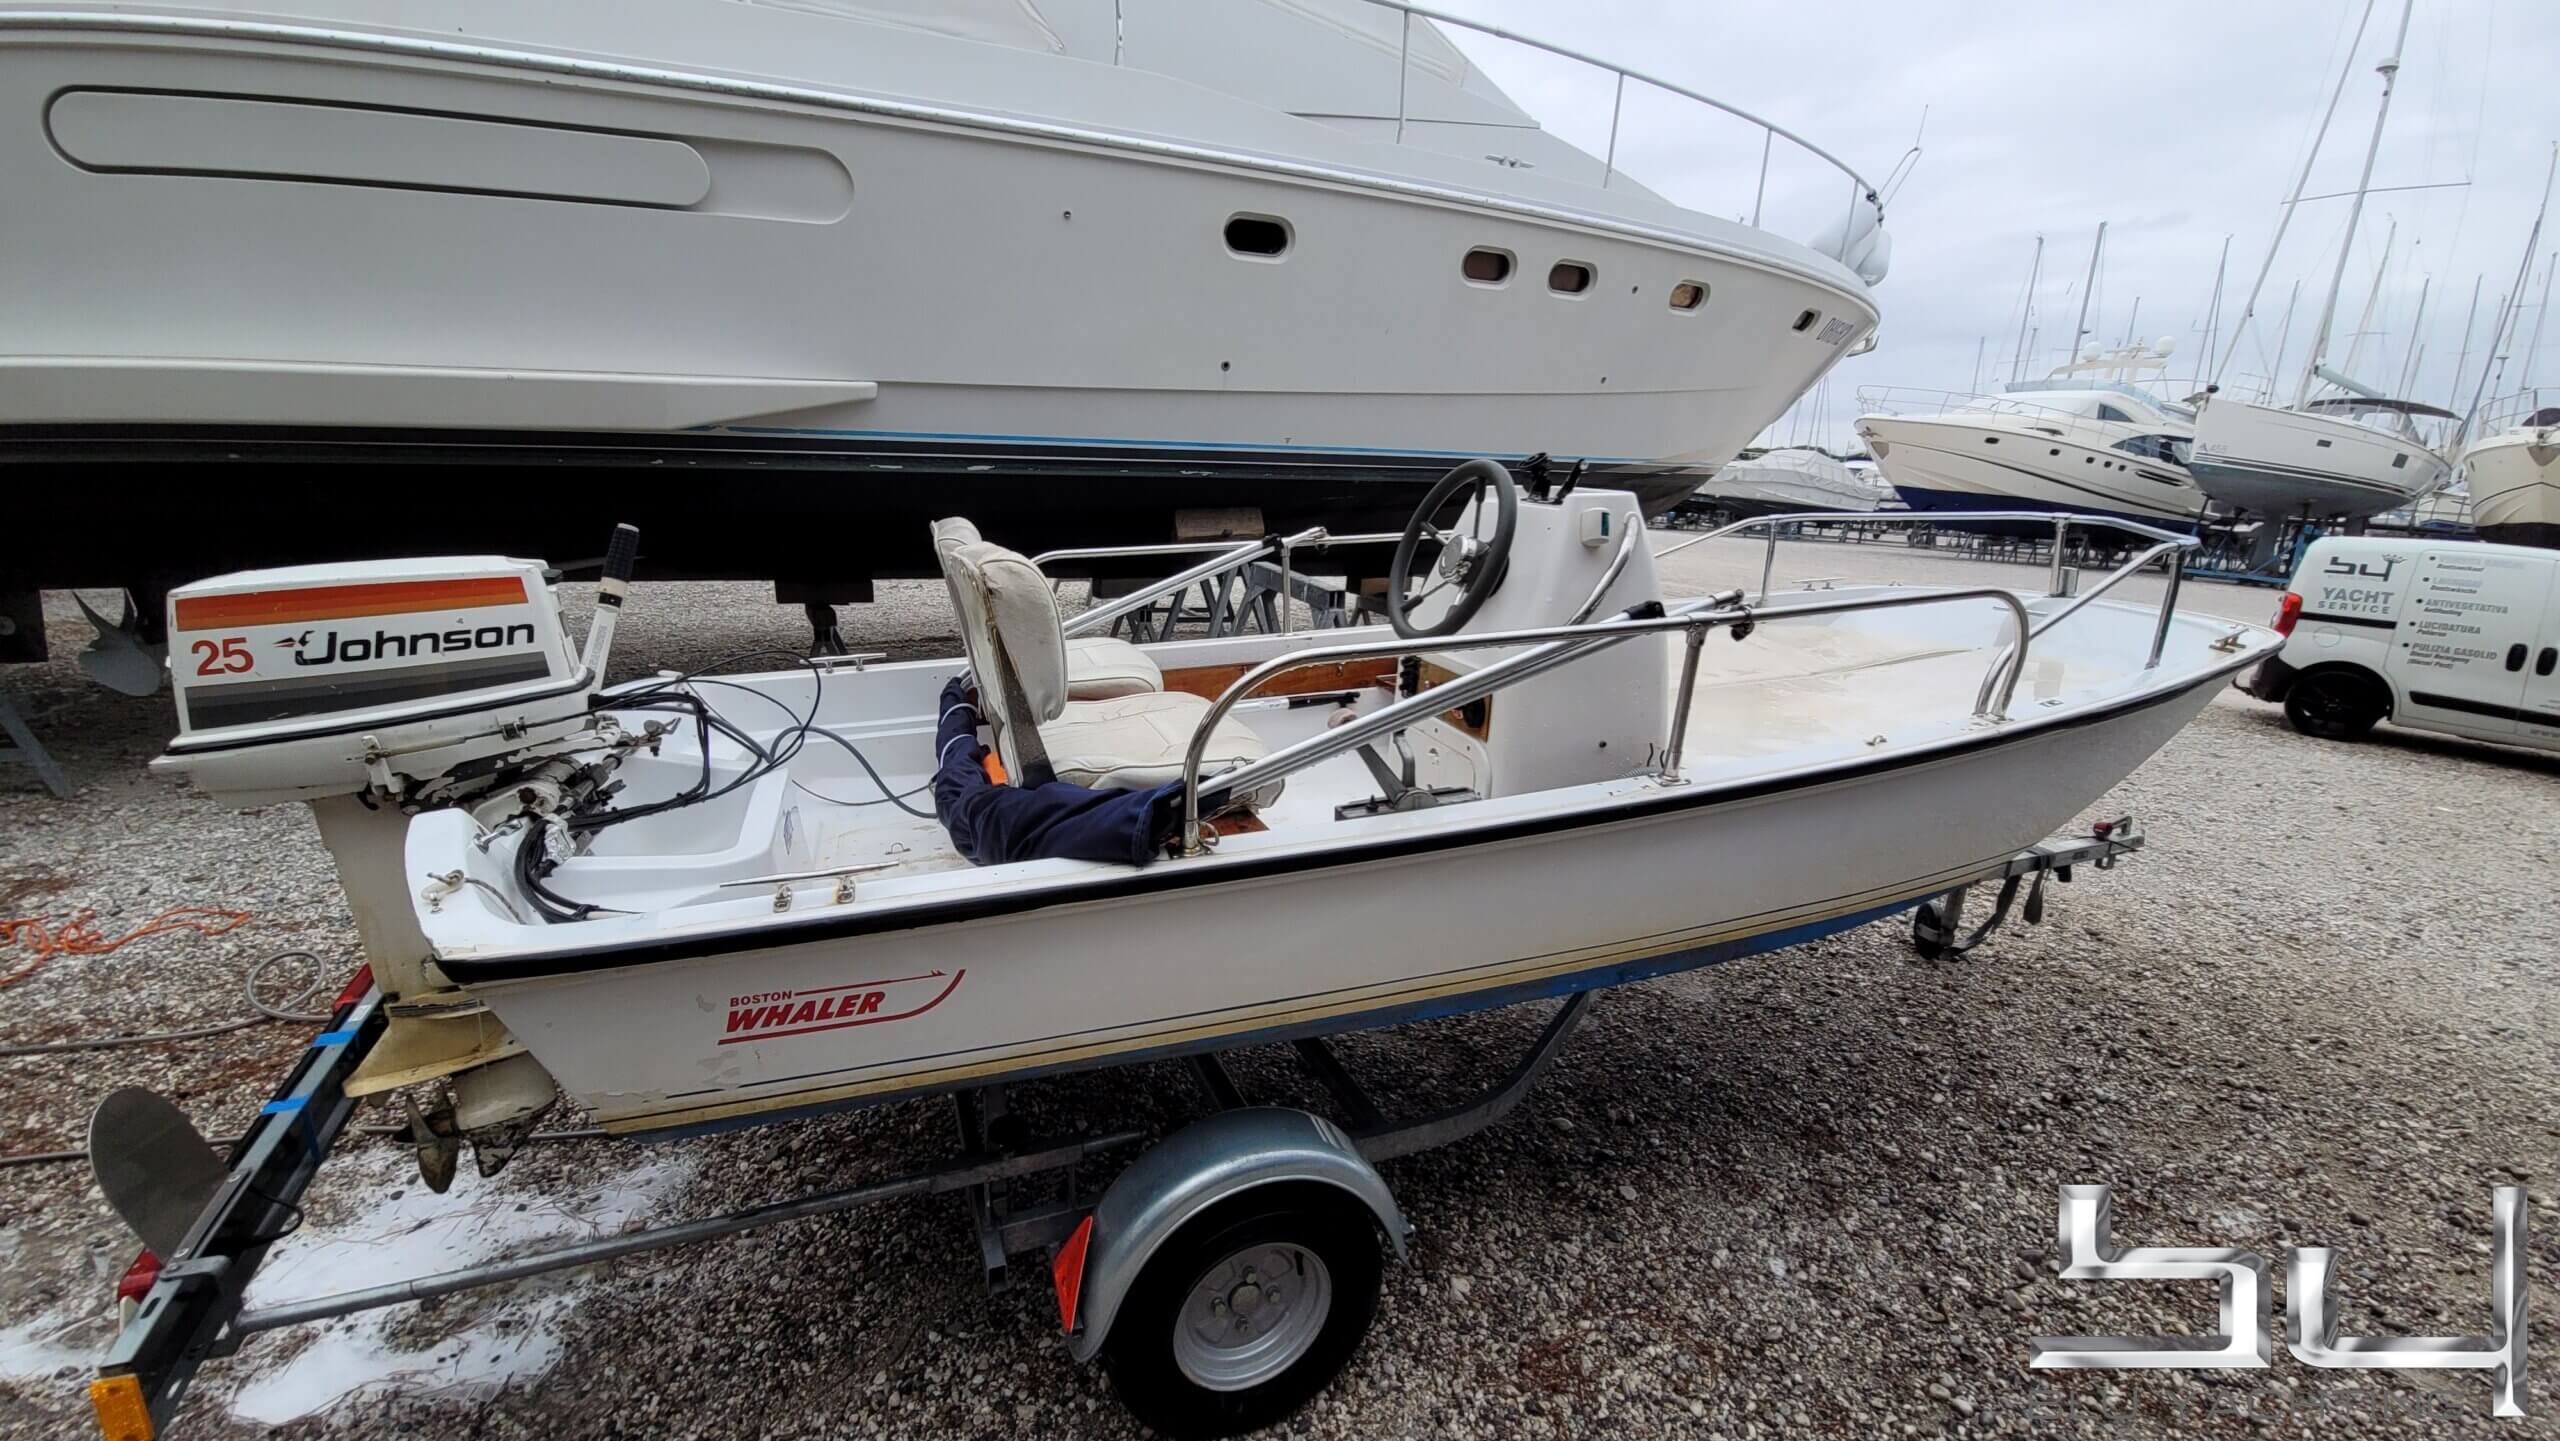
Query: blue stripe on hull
x=1924, y=499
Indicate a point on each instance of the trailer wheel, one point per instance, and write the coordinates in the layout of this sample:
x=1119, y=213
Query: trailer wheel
x=2334, y=705
x=1247, y=1312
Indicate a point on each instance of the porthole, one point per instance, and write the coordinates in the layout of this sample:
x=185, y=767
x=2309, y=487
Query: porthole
x=1485, y=265
x=1807, y=321
x=2400, y=461
x=1688, y=295
x=1569, y=277
x=1991, y=440
x=1264, y=237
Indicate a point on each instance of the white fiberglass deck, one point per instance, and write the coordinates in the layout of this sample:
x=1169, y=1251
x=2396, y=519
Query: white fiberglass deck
x=1792, y=695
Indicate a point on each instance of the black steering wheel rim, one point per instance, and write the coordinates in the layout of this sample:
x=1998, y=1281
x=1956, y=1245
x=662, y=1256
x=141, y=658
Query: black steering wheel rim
x=1488, y=569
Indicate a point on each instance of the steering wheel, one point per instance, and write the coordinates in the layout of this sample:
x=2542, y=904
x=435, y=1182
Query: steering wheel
x=1474, y=565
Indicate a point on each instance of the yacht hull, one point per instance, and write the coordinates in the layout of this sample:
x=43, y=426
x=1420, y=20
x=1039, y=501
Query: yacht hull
x=2286, y=463
x=360, y=259
x=1943, y=465
x=1191, y=956
x=2515, y=487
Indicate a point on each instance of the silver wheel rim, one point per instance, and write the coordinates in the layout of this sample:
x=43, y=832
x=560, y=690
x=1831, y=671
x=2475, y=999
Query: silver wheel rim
x=1252, y=1316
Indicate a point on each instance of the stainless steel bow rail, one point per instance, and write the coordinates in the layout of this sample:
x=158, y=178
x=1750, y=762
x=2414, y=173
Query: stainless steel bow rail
x=1561, y=645
x=1551, y=646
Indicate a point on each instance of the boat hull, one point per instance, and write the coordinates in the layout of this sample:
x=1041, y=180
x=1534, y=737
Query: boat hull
x=376, y=269
x=2515, y=487
x=2285, y=463
x=1186, y=956
x=1946, y=466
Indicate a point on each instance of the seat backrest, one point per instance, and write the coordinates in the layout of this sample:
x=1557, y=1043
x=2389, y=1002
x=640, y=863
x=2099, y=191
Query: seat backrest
x=1009, y=621
x=948, y=536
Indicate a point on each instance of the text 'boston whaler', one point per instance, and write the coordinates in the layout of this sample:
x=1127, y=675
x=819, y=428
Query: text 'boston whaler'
x=682, y=902
x=767, y=271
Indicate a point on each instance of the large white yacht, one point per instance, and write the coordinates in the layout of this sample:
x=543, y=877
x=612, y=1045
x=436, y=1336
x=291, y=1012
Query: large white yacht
x=2514, y=472
x=787, y=279
x=2065, y=443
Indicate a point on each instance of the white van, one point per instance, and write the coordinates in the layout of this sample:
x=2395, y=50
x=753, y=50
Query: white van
x=2463, y=638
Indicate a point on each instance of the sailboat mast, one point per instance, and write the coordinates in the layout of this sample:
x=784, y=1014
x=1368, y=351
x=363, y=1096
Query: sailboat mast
x=2284, y=333
x=2364, y=318
x=2453, y=397
x=2080, y=327
x=2524, y=377
x=2524, y=273
x=2131, y=318
x=2417, y=328
x=2034, y=267
x=2213, y=309
x=2284, y=218
x=2390, y=70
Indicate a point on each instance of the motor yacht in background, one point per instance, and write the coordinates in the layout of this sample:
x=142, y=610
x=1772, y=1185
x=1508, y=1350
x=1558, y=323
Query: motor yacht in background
x=1787, y=479
x=2445, y=512
x=2067, y=442
x=788, y=280
x=2513, y=472
x=2339, y=458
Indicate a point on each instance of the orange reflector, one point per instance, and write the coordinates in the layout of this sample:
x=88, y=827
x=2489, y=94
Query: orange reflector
x=1068, y=1271
x=122, y=1413
x=995, y=769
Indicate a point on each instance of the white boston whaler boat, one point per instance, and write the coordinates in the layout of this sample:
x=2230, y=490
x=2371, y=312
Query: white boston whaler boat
x=697, y=901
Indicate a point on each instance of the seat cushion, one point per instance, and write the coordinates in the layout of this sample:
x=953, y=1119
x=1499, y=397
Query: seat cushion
x=1136, y=742
x=1101, y=667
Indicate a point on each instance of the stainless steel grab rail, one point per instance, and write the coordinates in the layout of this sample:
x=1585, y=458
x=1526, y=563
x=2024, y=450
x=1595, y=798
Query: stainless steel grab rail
x=1231, y=556
x=2061, y=521
x=1554, y=646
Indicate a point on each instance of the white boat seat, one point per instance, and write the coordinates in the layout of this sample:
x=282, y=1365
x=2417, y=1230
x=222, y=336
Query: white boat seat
x=1009, y=621
x=1136, y=742
x=1105, y=667
x=1099, y=667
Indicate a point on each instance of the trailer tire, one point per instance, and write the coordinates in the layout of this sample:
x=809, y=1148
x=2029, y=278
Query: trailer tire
x=2335, y=705
x=1193, y=1375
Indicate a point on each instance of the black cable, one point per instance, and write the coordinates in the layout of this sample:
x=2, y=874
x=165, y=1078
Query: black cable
x=864, y=761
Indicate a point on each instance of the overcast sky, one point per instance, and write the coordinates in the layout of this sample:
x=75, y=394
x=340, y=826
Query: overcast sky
x=2177, y=122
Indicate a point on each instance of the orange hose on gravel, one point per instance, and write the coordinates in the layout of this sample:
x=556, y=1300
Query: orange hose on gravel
x=79, y=936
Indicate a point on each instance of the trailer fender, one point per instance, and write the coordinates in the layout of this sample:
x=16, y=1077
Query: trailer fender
x=1185, y=1174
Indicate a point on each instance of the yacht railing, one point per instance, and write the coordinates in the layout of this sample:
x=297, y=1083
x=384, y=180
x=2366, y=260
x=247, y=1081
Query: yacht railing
x=2062, y=522
x=1553, y=646
x=1770, y=131
x=2509, y=411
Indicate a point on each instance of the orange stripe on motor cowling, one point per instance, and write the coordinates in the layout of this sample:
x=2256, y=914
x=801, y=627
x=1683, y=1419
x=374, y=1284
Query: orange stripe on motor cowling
x=337, y=602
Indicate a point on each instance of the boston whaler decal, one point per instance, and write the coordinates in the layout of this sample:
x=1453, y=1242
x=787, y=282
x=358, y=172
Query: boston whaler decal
x=767, y=1014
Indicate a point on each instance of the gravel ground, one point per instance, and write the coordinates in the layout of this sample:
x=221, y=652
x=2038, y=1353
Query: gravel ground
x=1809, y=1194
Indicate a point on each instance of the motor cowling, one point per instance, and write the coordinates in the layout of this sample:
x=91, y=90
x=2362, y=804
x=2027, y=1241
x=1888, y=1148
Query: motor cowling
x=309, y=681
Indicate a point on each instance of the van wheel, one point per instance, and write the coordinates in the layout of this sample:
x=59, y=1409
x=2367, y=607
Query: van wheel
x=2334, y=705
x=1246, y=1313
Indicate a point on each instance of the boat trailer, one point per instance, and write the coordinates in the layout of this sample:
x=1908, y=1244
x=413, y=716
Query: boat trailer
x=207, y=1224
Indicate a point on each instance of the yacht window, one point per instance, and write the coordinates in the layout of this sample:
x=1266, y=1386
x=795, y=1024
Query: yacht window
x=1688, y=295
x=2109, y=412
x=1805, y=321
x=2155, y=447
x=1569, y=277
x=2400, y=461
x=1262, y=235
x=1486, y=266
